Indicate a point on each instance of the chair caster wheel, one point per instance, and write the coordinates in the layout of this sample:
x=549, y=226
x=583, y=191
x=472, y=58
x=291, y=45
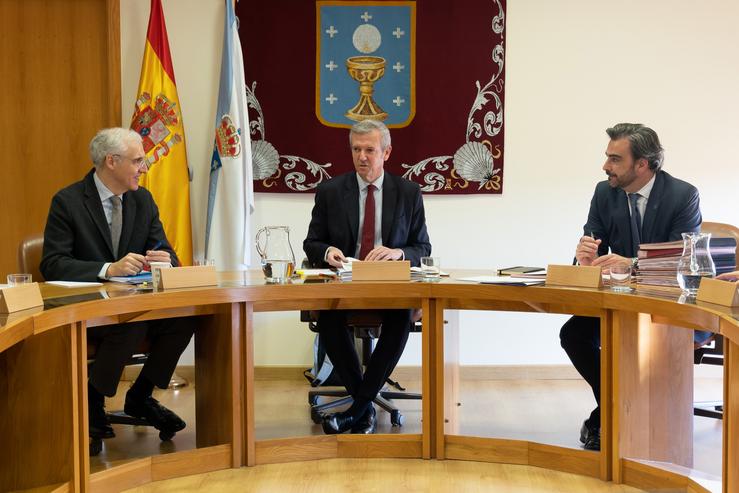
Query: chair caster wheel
x=396, y=419
x=96, y=446
x=316, y=416
x=166, y=435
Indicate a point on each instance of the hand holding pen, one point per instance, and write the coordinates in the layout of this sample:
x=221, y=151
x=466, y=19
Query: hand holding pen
x=156, y=255
x=587, y=249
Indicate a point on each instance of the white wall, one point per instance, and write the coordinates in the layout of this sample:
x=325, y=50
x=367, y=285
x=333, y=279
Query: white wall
x=573, y=68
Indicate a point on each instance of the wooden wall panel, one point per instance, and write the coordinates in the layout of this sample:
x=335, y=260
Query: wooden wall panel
x=60, y=66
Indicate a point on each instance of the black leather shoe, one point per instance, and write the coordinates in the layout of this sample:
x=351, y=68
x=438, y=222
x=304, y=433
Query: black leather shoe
x=99, y=424
x=590, y=437
x=337, y=423
x=367, y=424
x=159, y=416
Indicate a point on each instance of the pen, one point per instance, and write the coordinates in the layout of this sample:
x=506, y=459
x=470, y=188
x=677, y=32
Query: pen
x=157, y=245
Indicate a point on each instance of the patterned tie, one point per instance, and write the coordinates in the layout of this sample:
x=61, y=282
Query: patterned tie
x=368, y=227
x=635, y=223
x=116, y=223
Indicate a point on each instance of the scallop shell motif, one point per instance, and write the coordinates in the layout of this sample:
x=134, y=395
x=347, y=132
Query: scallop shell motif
x=474, y=162
x=265, y=159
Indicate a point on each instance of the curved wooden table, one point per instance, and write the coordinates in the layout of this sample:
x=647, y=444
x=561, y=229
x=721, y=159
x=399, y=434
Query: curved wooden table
x=646, y=378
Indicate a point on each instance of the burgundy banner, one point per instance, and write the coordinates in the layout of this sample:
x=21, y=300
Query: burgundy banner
x=453, y=143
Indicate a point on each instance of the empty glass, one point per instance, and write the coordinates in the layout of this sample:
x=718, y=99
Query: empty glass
x=15, y=279
x=431, y=268
x=621, y=277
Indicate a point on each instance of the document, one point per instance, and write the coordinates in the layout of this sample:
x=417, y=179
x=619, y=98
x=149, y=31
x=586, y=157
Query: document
x=511, y=281
x=74, y=284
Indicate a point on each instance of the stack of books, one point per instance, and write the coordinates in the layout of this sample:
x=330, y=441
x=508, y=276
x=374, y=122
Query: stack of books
x=658, y=261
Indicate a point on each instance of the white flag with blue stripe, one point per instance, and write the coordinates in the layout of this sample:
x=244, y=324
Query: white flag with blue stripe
x=230, y=191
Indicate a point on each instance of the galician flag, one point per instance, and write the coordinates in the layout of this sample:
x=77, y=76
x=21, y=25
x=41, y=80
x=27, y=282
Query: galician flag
x=230, y=192
x=158, y=119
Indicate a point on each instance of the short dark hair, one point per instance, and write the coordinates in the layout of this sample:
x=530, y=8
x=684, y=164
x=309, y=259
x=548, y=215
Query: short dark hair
x=644, y=142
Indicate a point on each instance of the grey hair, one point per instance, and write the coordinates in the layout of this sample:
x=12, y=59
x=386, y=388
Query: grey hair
x=111, y=141
x=644, y=142
x=367, y=126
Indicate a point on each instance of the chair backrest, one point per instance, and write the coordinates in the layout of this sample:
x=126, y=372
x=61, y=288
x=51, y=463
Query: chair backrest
x=722, y=230
x=29, y=256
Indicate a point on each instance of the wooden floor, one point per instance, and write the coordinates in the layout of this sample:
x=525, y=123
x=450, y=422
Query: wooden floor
x=378, y=475
x=546, y=411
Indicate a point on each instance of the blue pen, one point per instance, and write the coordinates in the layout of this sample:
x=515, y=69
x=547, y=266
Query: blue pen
x=157, y=245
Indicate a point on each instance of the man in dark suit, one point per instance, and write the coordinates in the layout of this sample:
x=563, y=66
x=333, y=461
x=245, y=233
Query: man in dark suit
x=639, y=203
x=105, y=226
x=371, y=215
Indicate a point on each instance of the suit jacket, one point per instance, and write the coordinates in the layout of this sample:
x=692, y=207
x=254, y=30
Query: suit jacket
x=335, y=218
x=77, y=237
x=673, y=208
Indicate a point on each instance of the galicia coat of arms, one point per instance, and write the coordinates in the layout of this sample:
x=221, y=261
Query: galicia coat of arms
x=152, y=120
x=365, y=62
x=228, y=139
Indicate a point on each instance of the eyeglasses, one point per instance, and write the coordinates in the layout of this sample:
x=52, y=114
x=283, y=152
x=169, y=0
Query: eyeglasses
x=139, y=162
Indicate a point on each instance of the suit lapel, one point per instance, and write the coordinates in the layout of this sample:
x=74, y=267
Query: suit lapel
x=652, y=211
x=129, y=216
x=351, y=206
x=95, y=209
x=389, y=199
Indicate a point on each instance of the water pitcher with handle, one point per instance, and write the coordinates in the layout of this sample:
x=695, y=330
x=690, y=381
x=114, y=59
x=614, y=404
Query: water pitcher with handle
x=278, y=259
x=695, y=262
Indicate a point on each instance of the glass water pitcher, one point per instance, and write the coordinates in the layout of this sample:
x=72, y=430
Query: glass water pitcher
x=695, y=262
x=277, y=257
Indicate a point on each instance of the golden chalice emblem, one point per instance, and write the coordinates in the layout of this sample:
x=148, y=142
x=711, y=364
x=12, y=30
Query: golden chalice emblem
x=366, y=70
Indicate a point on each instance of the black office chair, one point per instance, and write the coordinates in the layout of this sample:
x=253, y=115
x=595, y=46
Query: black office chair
x=366, y=326
x=712, y=354
x=30, y=252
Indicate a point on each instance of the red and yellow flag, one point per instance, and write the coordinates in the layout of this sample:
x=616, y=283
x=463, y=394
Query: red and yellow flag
x=158, y=119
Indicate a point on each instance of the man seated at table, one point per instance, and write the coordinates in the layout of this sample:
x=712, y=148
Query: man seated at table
x=638, y=203
x=370, y=215
x=105, y=226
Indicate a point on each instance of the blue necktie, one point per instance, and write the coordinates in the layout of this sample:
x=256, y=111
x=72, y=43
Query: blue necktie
x=635, y=223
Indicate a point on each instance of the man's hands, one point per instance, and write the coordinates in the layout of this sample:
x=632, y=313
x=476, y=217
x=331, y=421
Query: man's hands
x=587, y=254
x=129, y=265
x=384, y=253
x=335, y=257
x=587, y=250
x=729, y=276
x=133, y=263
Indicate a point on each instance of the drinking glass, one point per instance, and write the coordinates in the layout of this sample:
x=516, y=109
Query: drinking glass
x=431, y=268
x=621, y=278
x=16, y=279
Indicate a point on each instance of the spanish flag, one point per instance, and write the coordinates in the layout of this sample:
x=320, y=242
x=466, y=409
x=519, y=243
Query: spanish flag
x=157, y=117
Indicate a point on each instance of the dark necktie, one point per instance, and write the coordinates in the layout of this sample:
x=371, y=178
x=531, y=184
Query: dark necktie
x=116, y=223
x=368, y=227
x=635, y=223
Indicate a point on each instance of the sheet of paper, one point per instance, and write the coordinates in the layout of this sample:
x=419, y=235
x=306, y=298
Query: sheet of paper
x=502, y=280
x=74, y=284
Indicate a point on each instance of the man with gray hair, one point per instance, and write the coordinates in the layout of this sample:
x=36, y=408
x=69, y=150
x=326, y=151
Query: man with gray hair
x=638, y=203
x=106, y=226
x=371, y=215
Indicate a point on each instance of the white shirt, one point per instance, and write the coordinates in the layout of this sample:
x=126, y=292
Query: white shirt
x=643, y=198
